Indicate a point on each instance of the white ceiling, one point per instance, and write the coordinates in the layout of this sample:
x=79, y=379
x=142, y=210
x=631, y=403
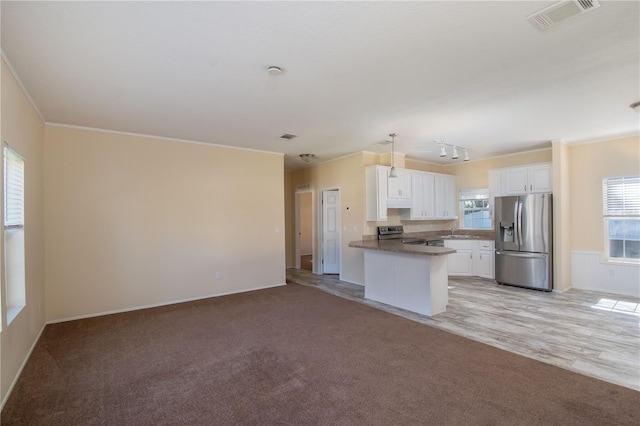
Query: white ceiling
x=474, y=74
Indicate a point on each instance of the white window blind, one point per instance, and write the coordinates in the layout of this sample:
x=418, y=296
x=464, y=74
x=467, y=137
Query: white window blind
x=474, y=194
x=13, y=188
x=621, y=196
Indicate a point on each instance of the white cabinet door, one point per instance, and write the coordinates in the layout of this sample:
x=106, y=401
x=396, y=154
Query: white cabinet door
x=422, y=197
x=515, y=181
x=417, y=211
x=484, y=266
x=428, y=186
x=450, y=204
x=460, y=263
x=376, y=193
x=445, y=197
x=483, y=256
x=400, y=187
x=540, y=178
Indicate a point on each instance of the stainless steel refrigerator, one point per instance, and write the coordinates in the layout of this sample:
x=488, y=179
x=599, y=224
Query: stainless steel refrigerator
x=523, y=232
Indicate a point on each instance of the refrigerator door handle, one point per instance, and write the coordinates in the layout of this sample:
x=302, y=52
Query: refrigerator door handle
x=526, y=255
x=516, y=221
x=519, y=222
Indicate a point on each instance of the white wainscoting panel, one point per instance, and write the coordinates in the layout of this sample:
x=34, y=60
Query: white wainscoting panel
x=590, y=272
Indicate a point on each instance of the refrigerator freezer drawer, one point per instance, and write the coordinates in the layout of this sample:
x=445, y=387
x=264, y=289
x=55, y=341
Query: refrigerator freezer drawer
x=531, y=270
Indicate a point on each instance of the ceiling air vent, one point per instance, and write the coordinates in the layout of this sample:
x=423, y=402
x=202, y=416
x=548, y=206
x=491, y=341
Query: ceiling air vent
x=555, y=13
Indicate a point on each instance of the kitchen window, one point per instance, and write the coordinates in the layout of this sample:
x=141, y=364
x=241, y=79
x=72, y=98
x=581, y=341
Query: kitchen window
x=621, y=211
x=474, y=209
x=13, y=214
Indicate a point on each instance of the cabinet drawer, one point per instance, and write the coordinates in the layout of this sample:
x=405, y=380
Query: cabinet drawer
x=459, y=245
x=485, y=245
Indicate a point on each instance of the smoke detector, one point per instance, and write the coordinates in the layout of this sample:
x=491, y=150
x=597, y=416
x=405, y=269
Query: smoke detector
x=555, y=13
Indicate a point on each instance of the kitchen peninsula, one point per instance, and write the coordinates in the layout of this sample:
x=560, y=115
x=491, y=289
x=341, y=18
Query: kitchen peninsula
x=406, y=276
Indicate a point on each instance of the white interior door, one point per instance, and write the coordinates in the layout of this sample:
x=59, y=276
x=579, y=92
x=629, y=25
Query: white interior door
x=331, y=232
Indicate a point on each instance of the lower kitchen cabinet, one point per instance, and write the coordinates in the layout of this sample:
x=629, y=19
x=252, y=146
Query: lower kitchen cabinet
x=472, y=258
x=460, y=263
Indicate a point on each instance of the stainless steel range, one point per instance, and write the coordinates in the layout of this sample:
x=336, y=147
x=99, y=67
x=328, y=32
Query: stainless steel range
x=395, y=232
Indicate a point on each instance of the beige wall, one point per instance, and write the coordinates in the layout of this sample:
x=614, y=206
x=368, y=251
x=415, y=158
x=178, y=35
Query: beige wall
x=589, y=164
x=290, y=225
x=135, y=221
x=23, y=129
x=561, y=216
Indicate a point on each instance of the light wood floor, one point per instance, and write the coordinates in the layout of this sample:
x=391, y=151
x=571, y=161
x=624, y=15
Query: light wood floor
x=596, y=334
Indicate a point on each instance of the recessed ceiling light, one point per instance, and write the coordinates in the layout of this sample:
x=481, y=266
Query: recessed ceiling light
x=288, y=136
x=273, y=70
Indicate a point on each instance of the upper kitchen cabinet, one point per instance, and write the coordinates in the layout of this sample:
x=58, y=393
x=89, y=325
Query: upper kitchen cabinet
x=445, y=197
x=422, y=198
x=433, y=197
x=376, y=192
x=526, y=180
x=399, y=189
x=383, y=192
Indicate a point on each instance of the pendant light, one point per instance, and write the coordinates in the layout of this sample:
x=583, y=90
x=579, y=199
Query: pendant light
x=392, y=172
x=466, y=155
x=455, y=153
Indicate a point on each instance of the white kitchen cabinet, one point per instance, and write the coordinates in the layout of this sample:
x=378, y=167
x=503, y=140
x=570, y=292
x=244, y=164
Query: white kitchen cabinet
x=376, y=193
x=540, y=178
x=399, y=189
x=460, y=263
x=484, y=255
x=445, y=197
x=422, y=205
x=528, y=179
x=472, y=258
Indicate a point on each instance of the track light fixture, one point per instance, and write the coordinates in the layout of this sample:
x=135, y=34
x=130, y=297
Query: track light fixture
x=455, y=155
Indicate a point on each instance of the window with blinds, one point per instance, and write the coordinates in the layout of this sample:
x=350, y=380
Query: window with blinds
x=14, y=254
x=13, y=189
x=621, y=211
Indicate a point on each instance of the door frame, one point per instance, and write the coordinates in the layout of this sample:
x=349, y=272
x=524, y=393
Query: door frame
x=297, y=230
x=318, y=267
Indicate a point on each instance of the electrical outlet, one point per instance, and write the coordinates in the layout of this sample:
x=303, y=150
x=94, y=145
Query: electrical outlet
x=218, y=275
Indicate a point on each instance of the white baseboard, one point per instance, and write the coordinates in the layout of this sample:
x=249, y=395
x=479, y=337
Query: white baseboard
x=155, y=305
x=589, y=271
x=15, y=379
x=351, y=282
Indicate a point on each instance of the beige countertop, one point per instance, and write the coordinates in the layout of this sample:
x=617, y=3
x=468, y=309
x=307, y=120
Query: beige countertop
x=398, y=247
